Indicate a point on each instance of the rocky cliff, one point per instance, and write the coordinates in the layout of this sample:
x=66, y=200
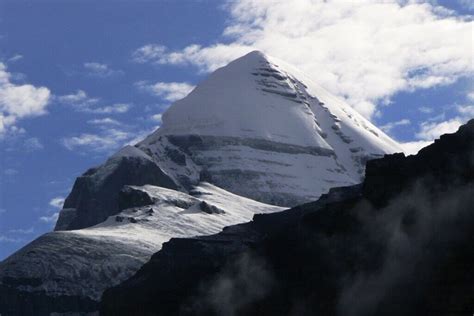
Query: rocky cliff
x=399, y=244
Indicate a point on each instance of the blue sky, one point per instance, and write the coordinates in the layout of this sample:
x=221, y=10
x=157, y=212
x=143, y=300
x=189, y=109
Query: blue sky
x=80, y=79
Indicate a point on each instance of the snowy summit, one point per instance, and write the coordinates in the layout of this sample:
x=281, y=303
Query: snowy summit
x=262, y=129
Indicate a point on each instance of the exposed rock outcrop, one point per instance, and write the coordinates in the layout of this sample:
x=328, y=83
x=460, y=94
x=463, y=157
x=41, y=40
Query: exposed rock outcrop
x=95, y=194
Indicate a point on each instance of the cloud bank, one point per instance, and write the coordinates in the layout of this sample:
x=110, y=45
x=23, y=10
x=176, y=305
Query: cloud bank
x=363, y=51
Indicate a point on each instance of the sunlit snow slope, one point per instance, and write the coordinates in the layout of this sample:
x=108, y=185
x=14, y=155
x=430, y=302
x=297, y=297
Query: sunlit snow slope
x=85, y=262
x=262, y=129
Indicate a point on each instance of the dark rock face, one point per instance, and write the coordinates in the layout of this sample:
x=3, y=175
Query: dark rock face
x=400, y=244
x=448, y=161
x=131, y=197
x=39, y=303
x=95, y=194
x=210, y=209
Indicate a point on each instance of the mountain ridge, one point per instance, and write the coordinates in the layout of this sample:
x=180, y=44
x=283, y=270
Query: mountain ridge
x=277, y=144
x=398, y=244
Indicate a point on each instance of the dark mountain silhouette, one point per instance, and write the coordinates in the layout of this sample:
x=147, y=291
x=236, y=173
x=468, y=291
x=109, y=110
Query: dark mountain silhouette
x=399, y=244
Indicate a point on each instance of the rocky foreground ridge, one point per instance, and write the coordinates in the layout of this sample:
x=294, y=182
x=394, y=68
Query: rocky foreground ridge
x=398, y=244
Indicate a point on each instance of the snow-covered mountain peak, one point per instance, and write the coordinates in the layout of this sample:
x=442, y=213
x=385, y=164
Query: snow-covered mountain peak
x=249, y=98
x=261, y=128
x=260, y=97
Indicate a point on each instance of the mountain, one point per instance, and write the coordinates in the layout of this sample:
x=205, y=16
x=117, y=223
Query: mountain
x=255, y=137
x=261, y=129
x=66, y=271
x=400, y=243
x=251, y=128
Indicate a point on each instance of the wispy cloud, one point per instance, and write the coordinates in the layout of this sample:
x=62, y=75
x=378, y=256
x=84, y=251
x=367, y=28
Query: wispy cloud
x=169, y=91
x=81, y=102
x=100, y=70
x=150, y=53
x=52, y=215
x=470, y=95
x=33, y=144
x=4, y=238
x=105, y=141
x=389, y=126
x=50, y=219
x=22, y=231
x=432, y=130
x=104, y=121
x=140, y=135
x=425, y=109
x=205, y=58
x=110, y=109
x=466, y=110
x=437, y=126
x=15, y=58
x=57, y=202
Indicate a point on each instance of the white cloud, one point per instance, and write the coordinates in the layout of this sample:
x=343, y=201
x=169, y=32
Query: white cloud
x=15, y=58
x=425, y=109
x=432, y=130
x=140, y=135
x=105, y=141
x=33, y=144
x=205, y=58
x=389, y=126
x=157, y=118
x=148, y=52
x=57, y=202
x=411, y=148
x=110, y=109
x=23, y=231
x=470, y=96
x=100, y=70
x=466, y=110
x=437, y=126
x=81, y=102
x=365, y=51
x=170, y=91
x=18, y=101
x=104, y=121
x=9, y=239
x=50, y=219
x=79, y=96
